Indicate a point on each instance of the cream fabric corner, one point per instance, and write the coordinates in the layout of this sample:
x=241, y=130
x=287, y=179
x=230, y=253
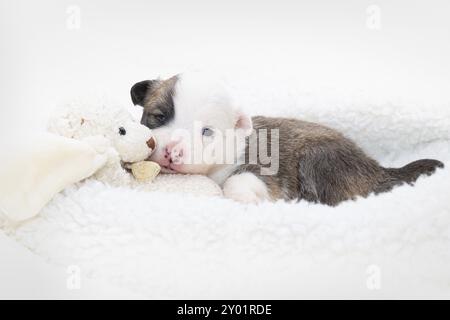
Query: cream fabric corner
x=37, y=167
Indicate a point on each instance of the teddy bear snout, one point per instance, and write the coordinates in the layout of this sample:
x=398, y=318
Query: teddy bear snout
x=151, y=143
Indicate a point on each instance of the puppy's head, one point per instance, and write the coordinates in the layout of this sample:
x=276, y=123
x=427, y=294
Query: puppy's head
x=197, y=124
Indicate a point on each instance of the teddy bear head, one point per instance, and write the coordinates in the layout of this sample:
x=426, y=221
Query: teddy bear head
x=132, y=141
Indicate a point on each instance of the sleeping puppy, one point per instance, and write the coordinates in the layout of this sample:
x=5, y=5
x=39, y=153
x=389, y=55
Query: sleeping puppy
x=201, y=130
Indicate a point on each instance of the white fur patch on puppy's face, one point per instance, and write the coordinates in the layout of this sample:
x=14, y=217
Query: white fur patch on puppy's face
x=207, y=129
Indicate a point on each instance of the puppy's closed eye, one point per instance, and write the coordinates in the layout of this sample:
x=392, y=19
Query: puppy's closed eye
x=154, y=120
x=159, y=117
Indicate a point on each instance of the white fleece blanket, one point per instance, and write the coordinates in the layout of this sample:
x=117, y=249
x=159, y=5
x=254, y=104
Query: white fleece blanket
x=163, y=245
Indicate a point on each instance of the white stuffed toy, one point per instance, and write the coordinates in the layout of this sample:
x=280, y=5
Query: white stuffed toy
x=112, y=130
x=38, y=165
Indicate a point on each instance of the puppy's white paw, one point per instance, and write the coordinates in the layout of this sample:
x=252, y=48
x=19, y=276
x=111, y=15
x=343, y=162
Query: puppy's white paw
x=246, y=188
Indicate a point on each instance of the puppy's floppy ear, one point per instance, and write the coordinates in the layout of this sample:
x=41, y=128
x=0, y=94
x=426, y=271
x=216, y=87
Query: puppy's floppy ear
x=243, y=123
x=140, y=90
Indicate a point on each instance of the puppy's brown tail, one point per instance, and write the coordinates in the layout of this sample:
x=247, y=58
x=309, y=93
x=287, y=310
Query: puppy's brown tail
x=408, y=174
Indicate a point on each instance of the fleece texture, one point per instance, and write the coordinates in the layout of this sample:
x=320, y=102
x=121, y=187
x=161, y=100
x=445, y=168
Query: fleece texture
x=176, y=245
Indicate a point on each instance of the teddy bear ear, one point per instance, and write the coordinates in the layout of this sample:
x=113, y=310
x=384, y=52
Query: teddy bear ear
x=66, y=125
x=140, y=90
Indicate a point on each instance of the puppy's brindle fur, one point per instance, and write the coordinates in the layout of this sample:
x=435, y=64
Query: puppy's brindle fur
x=316, y=163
